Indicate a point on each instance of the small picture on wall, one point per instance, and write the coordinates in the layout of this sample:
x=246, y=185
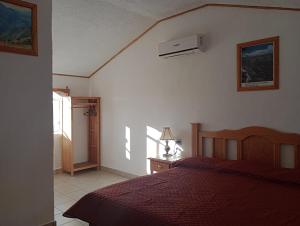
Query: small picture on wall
x=18, y=27
x=258, y=64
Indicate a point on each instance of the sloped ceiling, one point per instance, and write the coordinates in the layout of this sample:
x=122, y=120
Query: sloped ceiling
x=86, y=33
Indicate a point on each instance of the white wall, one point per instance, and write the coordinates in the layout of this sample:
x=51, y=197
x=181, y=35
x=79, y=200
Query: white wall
x=138, y=89
x=78, y=87
x=26, y=189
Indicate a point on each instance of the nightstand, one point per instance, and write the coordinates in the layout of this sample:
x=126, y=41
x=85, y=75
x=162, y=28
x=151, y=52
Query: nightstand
x=160, y=163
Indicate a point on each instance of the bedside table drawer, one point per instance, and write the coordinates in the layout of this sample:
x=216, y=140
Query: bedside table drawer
x=159, y=166
x=161, y=163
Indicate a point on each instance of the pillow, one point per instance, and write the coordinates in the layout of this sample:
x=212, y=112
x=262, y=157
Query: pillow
x=261, y=171
x=198, y=163
x=242, y=168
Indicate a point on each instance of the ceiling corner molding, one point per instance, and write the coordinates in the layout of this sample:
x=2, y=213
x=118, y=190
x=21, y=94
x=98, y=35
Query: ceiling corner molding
x=67, y=75
x=124, y=48
x=183, y=13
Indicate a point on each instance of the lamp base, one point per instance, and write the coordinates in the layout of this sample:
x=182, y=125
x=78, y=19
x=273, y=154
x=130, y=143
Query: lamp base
x=167, y=149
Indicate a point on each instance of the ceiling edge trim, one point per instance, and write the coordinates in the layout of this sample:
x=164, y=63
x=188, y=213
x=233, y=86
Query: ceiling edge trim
x=124, y=48
x=180, y=14
x=67, y=75
x=186, y=12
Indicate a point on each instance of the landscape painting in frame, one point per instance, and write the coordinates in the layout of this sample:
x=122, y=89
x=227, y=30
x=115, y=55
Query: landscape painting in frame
x=18, y=27
x=258, y=64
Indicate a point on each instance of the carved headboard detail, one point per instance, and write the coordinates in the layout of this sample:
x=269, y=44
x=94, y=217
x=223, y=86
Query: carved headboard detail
x=258, y=144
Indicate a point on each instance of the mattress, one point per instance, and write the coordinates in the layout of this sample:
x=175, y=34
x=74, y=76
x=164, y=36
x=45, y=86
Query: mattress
x=197, y=192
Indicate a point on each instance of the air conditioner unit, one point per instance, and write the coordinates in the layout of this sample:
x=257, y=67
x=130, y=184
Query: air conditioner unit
x=183, y=46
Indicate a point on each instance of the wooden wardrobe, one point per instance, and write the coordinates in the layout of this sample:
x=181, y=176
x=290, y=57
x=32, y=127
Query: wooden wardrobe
x=91, y=107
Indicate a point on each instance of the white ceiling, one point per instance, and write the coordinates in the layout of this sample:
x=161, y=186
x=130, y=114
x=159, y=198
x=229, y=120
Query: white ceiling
x=86, y=33
x=155, y=9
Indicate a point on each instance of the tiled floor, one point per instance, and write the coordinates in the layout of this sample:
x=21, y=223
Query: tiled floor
x=68, y=190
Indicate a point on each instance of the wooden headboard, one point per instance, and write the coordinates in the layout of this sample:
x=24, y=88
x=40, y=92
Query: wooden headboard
x=258, y=144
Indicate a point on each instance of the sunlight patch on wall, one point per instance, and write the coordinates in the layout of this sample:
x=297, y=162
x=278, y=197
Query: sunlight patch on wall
x=155, y=147
x=127, y=143
x=67, y=120
x=57, y=113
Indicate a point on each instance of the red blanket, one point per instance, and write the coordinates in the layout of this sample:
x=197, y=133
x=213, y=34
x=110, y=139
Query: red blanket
x=195, y=192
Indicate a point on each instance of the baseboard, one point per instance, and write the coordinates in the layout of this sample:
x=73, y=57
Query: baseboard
x=57, y=171
x=118, y=172
x=53, y=223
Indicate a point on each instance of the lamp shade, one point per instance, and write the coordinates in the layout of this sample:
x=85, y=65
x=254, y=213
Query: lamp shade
x=167, y=134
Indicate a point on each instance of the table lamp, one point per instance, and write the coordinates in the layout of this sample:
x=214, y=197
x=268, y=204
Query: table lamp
x=167, y=135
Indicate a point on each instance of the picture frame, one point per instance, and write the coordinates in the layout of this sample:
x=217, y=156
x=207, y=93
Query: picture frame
x=18, y=28
x=258, y=65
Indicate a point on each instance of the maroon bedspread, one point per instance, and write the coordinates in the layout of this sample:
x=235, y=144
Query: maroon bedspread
x=203, y=193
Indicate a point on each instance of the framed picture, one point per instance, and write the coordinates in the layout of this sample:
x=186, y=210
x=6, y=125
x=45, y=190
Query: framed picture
x=18, y=27
x=258, y=65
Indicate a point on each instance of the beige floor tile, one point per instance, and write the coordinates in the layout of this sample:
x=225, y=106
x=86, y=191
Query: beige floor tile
x=92, y=187
x=60, y=220
x=76, y=223
x=65, y=206
x=61, y=200
x=69, y=189
x=57, y=194
x=57, y=211
x=66, y=188
x=83, y=223
x=76, y=195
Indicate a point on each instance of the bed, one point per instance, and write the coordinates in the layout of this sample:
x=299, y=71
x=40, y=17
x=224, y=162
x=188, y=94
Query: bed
x=251, y=191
